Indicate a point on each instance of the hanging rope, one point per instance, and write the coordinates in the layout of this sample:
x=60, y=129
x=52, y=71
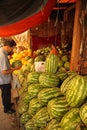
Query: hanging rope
x=48, y=28
x=56, y=23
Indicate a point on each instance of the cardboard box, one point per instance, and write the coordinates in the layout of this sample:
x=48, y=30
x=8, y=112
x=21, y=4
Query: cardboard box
x=40, y=66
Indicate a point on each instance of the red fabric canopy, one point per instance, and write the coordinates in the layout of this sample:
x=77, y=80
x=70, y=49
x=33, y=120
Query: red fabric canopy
x=40, y=42
x=25, y=24
x=65, y=1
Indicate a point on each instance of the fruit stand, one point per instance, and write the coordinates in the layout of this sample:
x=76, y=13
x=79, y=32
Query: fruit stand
x=53, y=79
x=53, y=96
x=47, y=99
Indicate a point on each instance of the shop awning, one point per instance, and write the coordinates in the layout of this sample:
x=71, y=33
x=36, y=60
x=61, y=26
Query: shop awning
x=17, y=16
x=66, y=1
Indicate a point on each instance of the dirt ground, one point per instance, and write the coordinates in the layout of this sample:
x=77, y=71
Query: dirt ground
x=7, y=121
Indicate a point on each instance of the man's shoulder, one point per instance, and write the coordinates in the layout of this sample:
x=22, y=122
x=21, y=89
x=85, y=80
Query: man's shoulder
x=2, y=55
x=2, y=51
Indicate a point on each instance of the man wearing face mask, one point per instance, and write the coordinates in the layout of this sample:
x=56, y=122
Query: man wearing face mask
x=6, y=74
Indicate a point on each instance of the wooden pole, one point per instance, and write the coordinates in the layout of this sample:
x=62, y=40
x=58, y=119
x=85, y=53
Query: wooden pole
x=76, y=40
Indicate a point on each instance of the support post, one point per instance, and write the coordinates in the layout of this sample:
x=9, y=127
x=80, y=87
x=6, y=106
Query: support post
x=76, y=40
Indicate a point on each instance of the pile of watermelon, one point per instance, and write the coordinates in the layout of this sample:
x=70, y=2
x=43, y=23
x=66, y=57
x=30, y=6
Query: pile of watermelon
x=54, y=99
x=63, y=59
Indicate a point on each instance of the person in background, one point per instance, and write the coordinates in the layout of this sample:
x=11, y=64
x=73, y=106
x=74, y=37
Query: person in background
x=6, y=74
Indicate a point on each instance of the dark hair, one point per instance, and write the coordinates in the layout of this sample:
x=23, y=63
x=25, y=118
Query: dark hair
x=8, y=42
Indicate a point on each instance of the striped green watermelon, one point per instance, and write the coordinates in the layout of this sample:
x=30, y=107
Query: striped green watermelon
x=34, y=106
x=22, y=107
x=57, y=107
x=62, y=76
x=53, y=125
x=21, y=78
x=83, y=113
x=41, y=118
x=16, y=63
x=49, y=80
x=33, y=77
x=48, y=93
x=22, y=90
x=25, y=84
x=33, y=89
x=71, y=120
x=51, y=63
x=64, y=85
x=26, y=97
x=30, y=125
x=76, y=91
x=24, y=118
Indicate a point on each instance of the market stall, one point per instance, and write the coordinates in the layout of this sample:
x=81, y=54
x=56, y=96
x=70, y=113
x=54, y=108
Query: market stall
x=53, y=83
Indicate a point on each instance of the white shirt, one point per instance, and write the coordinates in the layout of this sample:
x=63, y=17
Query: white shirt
x=4, y=65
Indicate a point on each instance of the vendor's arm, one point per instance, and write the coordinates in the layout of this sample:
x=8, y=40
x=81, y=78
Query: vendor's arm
x=5, y=66
x=4, y=72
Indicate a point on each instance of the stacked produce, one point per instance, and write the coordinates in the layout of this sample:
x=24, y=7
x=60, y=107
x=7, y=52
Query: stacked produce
x=22, y=56
x=62, y=56
x=54, y=99
x=21, y=59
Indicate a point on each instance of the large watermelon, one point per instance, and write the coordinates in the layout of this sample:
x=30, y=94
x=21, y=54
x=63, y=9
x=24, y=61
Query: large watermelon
x=57, y=107
x=24, y=118
x=21, y=78
x=22, y=90
x=76, y=91
x=65, y=83
x=41, y=118
x=26, y=97
x=51, y=63
x=83, y=113
x=71, y=120
x=30, y=125
x=33, y=89
x=48, y=93
x=33, y=77
x=34, y=106
x=49, y=80
x=22, y=107
x=62, y=75
x=53, y=125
